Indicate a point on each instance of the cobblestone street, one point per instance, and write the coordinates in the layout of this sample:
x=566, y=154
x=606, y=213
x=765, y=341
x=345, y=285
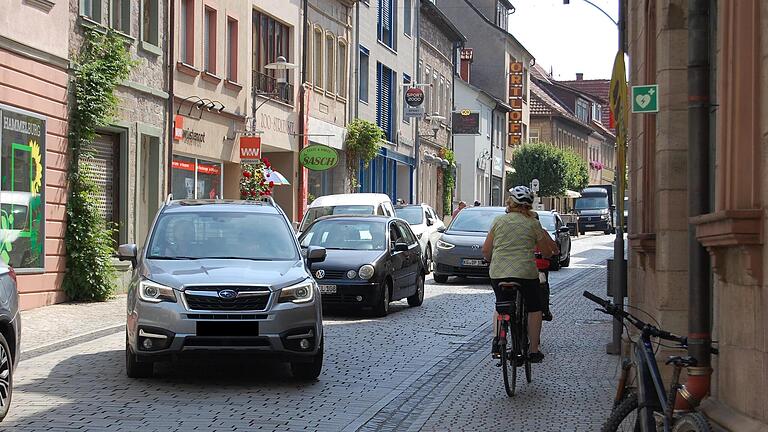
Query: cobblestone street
x=425, y=368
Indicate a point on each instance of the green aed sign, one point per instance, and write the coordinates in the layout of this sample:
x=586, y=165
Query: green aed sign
x=318, y=157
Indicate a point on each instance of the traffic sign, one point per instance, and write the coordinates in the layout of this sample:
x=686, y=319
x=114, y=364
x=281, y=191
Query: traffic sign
x=414, y=102
x=645, y=98
x=535, y=185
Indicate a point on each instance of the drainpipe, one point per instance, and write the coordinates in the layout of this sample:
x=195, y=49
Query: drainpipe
x=302, y=134
x=493, y=134
x=699, y=271
x=417, y=141
x=357, y=61
x=170, y=41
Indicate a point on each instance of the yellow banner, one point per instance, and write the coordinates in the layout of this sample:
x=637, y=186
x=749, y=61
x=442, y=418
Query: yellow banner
x=619, y=102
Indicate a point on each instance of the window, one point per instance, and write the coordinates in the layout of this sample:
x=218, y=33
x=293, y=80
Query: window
x=232, y=49
x=209, y=41
x=447, y=99
x=91, y=9
x=121, y=16
x=406, y=80
x=428, y=97
x=441, y=95
x=436, y=90
x=195, y=178
x=582, y=110
x=501, y=15
x=363, y=85
x=105, y=163
x=149, y=23
x=597, y=112
x=534, y=137
x=187, y=39
x=330, y=63
x=318, y=52
x=407, y=12
x=385, y=78
x=341, y=69
x=271, y=40
x=387, y=18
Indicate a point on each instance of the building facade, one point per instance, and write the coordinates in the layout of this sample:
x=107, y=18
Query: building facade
x=33, y=137
x=438, y=42
x=129, y=155
x=732, y=225
x=386, y=51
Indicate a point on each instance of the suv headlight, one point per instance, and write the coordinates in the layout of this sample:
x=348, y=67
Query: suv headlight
x=155, y=293
x=366, y=271
x=299, y=293
x=444, y=245
x=604, y=217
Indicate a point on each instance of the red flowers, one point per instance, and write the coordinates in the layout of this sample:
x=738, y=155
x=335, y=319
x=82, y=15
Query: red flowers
x=253, y=183
x=246, y=174
x=271, y=184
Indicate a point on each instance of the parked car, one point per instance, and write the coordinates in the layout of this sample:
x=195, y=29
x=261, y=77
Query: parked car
x=10, y=335
x=221, y=275
x=424, y=223
x=370, y=261
x=354, y=203
x=459, y=250
x=561, y=234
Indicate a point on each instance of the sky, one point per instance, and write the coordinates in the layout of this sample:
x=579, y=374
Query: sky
x=569, y=38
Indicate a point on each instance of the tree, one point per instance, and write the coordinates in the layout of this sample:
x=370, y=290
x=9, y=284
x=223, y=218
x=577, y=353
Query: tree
x=363, y=143
x=556, y=169
x=577, y=174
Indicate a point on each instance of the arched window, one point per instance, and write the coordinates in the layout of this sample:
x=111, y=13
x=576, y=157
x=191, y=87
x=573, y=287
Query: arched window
x=330, y=63
x=341, y=69
x=317, y=47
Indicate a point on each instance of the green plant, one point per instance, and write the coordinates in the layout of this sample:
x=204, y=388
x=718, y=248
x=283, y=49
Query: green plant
x=363, y=144
x=102, y=64
x=556, y=169
x=449, y=179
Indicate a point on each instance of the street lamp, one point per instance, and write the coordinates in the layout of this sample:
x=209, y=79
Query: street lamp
x=281, y=67
x=566, y=2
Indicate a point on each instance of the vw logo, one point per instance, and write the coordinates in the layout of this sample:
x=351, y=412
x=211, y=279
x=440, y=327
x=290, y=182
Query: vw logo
x=227, y=294
x=475, y=246
x=320, y=274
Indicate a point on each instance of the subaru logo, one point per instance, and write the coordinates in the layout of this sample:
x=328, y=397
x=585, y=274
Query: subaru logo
x=227, y=294
x=320, y=274
x=475, y=246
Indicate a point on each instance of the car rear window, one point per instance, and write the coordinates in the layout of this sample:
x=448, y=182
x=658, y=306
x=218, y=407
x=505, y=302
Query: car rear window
x=346, y=235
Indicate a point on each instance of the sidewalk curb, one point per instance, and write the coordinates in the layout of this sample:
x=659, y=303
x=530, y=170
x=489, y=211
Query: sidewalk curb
x=69, y=342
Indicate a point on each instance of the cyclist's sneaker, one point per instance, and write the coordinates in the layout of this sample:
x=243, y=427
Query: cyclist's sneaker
x=536, y=357
x=495, y=349
x=547, y=316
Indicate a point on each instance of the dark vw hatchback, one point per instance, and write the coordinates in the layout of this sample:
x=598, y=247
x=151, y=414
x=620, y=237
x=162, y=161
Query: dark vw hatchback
x=370, y=261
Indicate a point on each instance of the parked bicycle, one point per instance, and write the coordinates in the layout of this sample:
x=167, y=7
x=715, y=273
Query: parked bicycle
x=512, y=325
x=649, y=407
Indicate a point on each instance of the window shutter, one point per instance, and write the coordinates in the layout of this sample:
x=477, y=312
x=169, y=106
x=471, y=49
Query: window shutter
x=103, y=162
x=386, y=97
x=379, y=101
x=386, y=14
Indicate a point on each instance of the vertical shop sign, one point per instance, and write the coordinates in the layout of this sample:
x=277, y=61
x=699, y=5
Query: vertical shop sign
x=515, y=122
x=22, y=189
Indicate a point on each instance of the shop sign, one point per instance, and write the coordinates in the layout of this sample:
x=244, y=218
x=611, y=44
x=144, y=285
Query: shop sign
x=414, y=102
x=22, y=189
x=250, y=148
x=645, y=98
x=179, y=133
x=515, y=117
x=318, y=157
x=465, y=122
x=201, y=168
x=276, y=124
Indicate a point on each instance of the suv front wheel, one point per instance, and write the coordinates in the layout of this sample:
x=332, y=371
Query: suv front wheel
x=309, y=371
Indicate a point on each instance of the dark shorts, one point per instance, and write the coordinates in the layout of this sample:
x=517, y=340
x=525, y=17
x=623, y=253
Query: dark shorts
x=529, y=287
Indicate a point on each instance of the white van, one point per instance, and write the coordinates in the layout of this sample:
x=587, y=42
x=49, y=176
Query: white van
x=355, y=203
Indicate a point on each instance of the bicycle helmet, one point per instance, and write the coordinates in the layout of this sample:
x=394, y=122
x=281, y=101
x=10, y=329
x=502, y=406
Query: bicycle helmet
x=521, y=195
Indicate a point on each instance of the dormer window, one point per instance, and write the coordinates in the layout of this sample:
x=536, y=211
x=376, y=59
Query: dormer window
x=597, y=112
x=502, y=12
x=582, y=110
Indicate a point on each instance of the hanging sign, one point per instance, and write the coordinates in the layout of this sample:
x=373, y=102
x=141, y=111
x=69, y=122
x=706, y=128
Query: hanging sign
x=465, y=122
x=414, y=102
x=319, y=157
x=515, y=117
x=250, y=148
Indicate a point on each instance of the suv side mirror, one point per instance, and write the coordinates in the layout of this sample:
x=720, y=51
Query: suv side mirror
x=401, y=247
x=315, y=254
x=564, y=229
x=441, y=229
x=127, y=252
x=613, y=207
x=430, y=222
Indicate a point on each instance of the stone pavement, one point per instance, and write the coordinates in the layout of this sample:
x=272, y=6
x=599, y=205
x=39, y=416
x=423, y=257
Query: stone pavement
x=419, y=368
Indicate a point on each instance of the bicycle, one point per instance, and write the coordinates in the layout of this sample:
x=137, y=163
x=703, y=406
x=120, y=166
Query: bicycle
x=652, y=404
x=512, y=325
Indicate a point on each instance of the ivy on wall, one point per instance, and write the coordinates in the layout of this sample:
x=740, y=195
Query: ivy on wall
x=102, y=64
x=449, y=179
x=363, y=141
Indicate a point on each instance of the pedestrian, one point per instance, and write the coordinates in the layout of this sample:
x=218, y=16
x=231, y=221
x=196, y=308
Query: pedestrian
x=461, y=206
x=477, y=203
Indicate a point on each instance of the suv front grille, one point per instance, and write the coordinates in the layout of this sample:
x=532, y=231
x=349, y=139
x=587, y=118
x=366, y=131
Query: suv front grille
x=206, y=298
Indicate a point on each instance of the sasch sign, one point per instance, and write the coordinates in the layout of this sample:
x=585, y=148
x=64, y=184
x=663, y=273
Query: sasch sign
x=318, y=157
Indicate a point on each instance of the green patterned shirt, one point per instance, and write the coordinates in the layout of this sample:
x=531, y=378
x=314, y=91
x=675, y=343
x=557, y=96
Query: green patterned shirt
x=514, y=239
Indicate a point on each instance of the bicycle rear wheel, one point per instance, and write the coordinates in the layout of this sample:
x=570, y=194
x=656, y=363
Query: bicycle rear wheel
x=508, y=367
x=525, y=344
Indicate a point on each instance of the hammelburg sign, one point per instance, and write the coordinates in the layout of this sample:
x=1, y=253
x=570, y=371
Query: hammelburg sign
x=318, y=157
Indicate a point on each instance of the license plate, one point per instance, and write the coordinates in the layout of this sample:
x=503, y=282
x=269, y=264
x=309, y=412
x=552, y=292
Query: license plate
x=227, y=328
x=474, y=262
x=589, y=226
x=328, y=289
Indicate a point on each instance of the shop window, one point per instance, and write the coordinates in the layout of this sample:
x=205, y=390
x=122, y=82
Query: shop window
x=121, y=16
x=195, y=178
x=209, y=41
x=330, y=63
x=363, y=86
x=149, y=23
x=91, y=9
x=187, y=30
x=105, y=171
x=232, y=49
x=341, y=69
x=271, y=40
x=22, y=196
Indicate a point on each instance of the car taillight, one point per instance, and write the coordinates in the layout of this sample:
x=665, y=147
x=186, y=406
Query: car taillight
x=12, y=274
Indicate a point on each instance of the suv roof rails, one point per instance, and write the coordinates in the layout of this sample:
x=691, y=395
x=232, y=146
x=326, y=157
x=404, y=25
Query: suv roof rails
x=168, y=199
x=269, y=200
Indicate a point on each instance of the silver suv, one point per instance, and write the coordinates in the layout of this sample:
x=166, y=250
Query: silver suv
x=223, y=276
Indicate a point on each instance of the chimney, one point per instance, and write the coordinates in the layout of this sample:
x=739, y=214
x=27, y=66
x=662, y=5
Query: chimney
x=579, y=76
x=466, y=63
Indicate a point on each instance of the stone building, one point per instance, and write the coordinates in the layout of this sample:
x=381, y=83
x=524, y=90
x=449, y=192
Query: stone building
x=733, y=222
x=33, y=137
x=438, y=42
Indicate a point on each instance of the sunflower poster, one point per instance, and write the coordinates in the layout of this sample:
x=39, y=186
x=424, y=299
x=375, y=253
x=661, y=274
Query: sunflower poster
x=22, y=189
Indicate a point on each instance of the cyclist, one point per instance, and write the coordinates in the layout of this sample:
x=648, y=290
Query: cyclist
x=509, y=248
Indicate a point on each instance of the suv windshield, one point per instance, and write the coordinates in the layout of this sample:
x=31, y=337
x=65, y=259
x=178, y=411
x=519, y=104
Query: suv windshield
x=547, y=221
x=226, y=235
x=591, y=203
x=346, y=234
x=474, y=220
x=317, y=212
x=412, y=215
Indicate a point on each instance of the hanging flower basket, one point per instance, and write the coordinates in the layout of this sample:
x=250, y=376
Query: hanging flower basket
x=596, y=165
x=253, y=184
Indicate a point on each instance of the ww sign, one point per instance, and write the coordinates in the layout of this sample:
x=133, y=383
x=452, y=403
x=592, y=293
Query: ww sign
x=250, y=148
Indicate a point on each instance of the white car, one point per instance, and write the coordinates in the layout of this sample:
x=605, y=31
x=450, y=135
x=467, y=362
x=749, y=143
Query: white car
x=347, y=204
x=425, y=224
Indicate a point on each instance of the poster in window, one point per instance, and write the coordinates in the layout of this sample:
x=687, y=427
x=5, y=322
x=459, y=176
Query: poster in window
x=22, y=200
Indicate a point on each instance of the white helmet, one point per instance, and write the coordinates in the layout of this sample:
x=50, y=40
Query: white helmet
x=521, y=195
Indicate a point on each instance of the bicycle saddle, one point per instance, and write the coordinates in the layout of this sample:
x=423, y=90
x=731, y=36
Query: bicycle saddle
x=505, y=307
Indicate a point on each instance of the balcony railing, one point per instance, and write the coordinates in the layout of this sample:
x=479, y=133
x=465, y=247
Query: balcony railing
x=263, y=83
